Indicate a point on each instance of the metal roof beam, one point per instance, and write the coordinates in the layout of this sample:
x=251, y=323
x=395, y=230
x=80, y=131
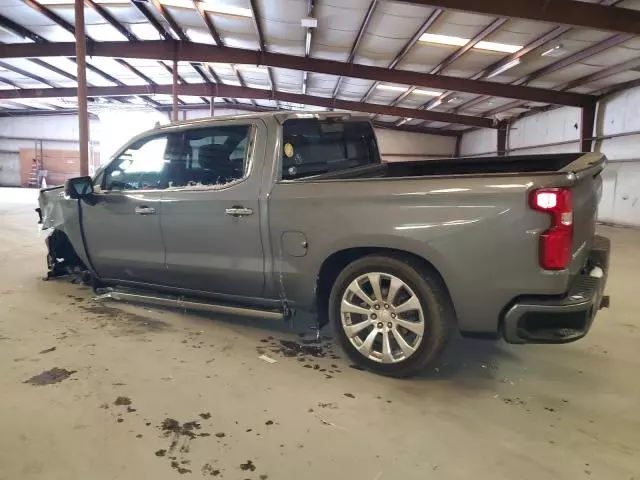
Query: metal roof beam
x=488, y=30
x=177, y=30
x=153, y=20
x=210, y=90
x=549, y=69
x=52, y=16
x=194, y=52
x=308, y=42
x=356, y=43
x=263, y=45
x=566, y=12
x=634, y=63
x=104, y=13
x=435, y=15
x=24, y=73
x=207, y=21
x=19, y=30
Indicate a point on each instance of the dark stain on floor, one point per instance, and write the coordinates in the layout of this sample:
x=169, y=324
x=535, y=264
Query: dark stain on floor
x=104, y=312
x=48, y=377
x=249, y=465
x=308, y=352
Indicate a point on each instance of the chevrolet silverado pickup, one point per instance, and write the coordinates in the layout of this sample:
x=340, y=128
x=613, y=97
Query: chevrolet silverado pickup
x=269, y=214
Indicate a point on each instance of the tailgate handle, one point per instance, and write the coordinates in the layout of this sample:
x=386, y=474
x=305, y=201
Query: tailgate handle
x=238, y=211
x=144, y=210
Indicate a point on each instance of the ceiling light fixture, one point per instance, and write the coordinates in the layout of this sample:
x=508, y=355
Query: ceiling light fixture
x=391, y=88
x=251, y=68
x=498, y=47
x=444, y=39
x=460, y=42
x=394, y=88
x=244, y=68
x=211, y=6
x=429, y=93
x=556, y=51
x=504, y=68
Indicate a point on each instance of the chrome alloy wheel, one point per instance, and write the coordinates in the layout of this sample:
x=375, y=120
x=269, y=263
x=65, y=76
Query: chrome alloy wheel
x=382, y=317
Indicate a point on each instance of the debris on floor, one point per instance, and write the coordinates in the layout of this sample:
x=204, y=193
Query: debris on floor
x=249, y=465
x=48, y=377
x=48, y=350
x=122, y=401
x=311, y=353
x=267, y=359
x=209, y=469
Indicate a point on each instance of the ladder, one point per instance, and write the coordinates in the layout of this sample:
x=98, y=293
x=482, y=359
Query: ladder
x=36, y=166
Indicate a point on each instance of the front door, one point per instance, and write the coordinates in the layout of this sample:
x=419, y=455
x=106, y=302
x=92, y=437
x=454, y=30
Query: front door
x=122, y=220
x=211, y=215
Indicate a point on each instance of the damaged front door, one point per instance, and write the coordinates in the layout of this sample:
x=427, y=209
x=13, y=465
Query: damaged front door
x=122, y=223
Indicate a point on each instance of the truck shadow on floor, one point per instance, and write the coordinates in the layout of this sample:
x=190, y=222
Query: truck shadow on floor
x=470, y=359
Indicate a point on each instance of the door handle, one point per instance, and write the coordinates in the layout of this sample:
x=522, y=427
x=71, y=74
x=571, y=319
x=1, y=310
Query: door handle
x=238, y=211
x=145, y=210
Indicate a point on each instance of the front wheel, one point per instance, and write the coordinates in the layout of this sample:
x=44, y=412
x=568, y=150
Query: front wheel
x=390, y=316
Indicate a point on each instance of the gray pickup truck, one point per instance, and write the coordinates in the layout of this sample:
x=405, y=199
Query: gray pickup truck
x=269, y=214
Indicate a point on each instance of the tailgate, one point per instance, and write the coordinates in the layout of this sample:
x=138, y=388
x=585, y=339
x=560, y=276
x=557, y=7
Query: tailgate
x=587, y=191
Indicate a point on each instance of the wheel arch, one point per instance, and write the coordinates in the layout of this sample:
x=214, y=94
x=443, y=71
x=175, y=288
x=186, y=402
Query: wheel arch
x=337, y=261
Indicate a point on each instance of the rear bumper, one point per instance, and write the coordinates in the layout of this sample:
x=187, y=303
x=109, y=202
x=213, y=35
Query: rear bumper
x=541, y=319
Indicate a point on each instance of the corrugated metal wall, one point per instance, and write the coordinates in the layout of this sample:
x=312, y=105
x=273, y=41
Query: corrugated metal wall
x=618, y=114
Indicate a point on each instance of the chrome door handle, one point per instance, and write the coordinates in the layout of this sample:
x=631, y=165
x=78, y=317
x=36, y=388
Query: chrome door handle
x=238, y=211
x=145, y=211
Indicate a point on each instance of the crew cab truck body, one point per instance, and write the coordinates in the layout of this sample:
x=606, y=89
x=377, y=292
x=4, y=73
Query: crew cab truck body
x=282, y=212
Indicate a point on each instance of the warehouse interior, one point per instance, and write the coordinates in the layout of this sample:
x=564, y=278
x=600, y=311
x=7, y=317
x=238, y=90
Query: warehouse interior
x=439, y=79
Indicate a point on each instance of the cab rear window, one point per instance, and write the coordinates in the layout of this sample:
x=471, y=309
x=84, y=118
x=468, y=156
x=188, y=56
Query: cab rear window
x=314, y=147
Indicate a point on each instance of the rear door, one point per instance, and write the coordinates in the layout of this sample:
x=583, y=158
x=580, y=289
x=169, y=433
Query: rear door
x=122, y=223
x=211, y=214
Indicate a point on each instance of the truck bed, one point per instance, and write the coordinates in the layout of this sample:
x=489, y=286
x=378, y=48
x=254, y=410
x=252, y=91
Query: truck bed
x=484, y=165
x=511, y=165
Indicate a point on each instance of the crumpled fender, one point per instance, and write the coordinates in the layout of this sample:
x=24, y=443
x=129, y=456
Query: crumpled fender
x=61, y=213
x=51, y=215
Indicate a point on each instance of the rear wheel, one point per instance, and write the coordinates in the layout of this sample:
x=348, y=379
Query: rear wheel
x=390, y=316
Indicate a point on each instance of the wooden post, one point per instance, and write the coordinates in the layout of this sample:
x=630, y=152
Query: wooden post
x=83, y=115
x=174, y=116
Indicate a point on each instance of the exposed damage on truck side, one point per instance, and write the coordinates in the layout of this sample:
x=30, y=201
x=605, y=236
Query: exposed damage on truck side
x=62, y=258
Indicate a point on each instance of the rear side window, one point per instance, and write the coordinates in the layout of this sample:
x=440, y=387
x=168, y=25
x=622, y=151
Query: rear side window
x=212, y=156
x=313, y=147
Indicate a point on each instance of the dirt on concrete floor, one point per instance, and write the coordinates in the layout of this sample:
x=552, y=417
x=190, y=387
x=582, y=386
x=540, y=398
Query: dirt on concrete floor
x=136, y=393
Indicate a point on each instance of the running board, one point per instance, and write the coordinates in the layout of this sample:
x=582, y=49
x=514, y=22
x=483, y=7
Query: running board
x=181, y=303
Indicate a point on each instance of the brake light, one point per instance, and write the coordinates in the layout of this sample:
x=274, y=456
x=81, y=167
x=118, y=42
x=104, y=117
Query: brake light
x=555, y=243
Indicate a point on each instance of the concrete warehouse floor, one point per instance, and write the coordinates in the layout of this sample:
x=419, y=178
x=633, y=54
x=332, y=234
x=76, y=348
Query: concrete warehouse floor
x=489, y=411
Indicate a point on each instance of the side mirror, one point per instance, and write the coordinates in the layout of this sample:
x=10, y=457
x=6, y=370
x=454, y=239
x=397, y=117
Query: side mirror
x=78, y=187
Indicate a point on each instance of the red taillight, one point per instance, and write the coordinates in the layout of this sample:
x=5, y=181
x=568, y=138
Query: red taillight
x=555, y=243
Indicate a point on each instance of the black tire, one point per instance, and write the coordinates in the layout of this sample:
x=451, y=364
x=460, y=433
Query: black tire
x=439, y=316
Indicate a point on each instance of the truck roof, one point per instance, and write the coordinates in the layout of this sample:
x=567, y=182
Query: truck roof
x=279, y=115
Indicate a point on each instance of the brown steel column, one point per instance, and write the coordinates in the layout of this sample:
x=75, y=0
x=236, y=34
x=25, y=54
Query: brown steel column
x=174, y=116
x=587, y=123
x=503, y=129
x=211, y=106
x=83, y=116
